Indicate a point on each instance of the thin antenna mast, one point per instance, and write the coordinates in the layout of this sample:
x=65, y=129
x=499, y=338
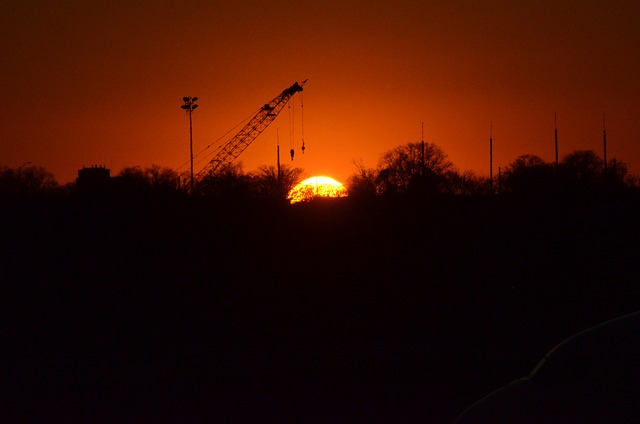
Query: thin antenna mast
x=604, y=136
x=555, y=125
x=278, y=152
x=422, y=150
x=491, y=155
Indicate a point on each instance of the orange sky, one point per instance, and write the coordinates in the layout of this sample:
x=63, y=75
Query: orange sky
x=88, y=82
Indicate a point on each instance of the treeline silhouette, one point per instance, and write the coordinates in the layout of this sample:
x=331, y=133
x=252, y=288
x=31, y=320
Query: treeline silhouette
x=414, y=169
x=407, y=301
x=411, y=169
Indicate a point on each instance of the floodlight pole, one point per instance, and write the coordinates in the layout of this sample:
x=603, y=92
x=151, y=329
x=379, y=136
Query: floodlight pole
x=189, y=106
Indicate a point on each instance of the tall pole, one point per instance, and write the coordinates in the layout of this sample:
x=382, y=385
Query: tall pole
x=491, y=156
x=604, y=136
x=278, y=154
x=191, y=148
x=555, y=130
x=422, y=149
x=189, y=106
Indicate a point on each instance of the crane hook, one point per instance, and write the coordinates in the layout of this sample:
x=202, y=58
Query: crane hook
x=292, y=152
x=302, y=148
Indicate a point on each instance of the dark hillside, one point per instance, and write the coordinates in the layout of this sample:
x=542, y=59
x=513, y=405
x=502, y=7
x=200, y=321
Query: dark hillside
x=386, y=311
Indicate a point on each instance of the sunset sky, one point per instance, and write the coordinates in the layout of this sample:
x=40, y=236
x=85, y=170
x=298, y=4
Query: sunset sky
x=87, y=82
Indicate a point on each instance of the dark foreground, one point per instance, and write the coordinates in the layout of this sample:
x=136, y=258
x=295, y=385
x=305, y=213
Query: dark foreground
x=339, y=312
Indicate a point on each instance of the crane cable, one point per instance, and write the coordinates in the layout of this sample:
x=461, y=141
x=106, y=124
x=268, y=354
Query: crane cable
x=292, y=125
x=292, y=152
x=302, y=119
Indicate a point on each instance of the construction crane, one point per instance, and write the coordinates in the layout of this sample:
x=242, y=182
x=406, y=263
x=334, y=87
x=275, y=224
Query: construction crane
x=238, y=144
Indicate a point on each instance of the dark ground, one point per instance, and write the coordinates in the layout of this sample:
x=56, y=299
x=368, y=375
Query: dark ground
x=393, y=311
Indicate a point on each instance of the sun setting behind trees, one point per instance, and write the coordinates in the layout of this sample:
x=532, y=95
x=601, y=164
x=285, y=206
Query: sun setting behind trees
x=491, y=210
x=314, y=187
x=410, y=169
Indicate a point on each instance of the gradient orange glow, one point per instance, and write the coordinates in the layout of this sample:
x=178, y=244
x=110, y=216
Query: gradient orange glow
x=94, y=83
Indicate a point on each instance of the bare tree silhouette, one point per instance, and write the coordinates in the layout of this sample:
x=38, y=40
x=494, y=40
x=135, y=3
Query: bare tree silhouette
x=152, y=181
x=583, y=167
x=268, y=184
x=617, y=175
x=364, y=182
x=528, y=174
x=467, y=183
x=27, y=181
x=403, y=169
x=230, y=182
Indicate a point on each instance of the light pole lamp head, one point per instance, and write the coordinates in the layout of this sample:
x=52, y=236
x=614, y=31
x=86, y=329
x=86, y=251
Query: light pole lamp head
x=189, y=103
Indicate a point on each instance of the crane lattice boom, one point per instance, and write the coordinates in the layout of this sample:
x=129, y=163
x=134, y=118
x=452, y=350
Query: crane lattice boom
x=265, y=116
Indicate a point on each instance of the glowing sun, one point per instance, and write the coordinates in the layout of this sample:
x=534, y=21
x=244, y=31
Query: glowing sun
x=319, y=186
